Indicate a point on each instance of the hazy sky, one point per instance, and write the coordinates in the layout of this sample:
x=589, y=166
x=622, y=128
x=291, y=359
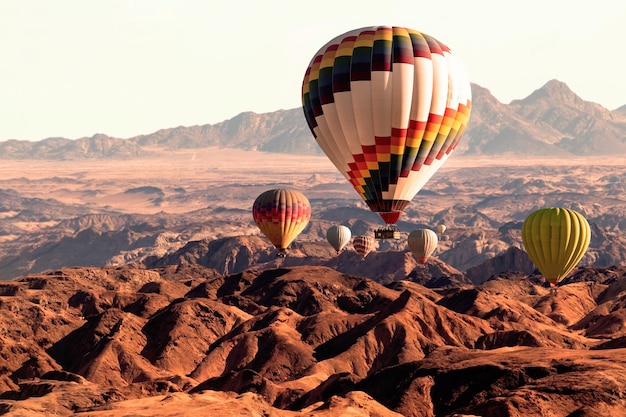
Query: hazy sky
x=74, y=68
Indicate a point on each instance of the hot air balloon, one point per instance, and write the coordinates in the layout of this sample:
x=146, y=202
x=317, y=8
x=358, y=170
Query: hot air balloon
x=441, y=228
x=363, y=245
x=338, y=236
x=388, y=105
x=281, y=215
x=555, y=240
x=422, y=242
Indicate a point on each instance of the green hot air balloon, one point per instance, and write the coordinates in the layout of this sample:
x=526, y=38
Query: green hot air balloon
x=555, y=240
x=338, y=236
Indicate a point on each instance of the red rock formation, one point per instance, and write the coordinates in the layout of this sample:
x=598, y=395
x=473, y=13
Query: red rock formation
x=309, y=340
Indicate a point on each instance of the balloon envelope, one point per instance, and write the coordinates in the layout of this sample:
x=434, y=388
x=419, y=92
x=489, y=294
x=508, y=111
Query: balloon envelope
x=422, y=242
x=338, y=236
x=363, y=245
x=388, y=105
x=281, y=215
x=555, y=239
x=441, y=228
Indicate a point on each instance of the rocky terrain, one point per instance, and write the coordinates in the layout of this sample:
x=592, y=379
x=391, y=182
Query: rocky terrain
x=105, y=201
x=310, y=340
x=91, y=213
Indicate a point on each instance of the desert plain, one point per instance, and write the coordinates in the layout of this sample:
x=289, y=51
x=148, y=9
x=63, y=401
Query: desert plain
x=101, y=183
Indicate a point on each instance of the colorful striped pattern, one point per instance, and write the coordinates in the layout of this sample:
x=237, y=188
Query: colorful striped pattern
x=387, y=105
x=422, y=243
x=363, y=245
x=281, y=215
x=556, y=240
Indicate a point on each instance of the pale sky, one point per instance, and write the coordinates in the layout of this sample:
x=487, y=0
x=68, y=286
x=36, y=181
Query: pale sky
x=74, y=68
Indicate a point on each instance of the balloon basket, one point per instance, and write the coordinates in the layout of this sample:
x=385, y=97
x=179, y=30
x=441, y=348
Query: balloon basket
x=389, y=232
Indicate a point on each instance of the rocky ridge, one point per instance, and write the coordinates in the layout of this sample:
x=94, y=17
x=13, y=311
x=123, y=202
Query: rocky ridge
x=305, y=340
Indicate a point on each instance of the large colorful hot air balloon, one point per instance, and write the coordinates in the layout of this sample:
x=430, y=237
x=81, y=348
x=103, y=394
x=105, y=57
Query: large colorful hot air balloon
x=388, y=105
x=338, y=236
x=555, y=239
x=363, y=245
x=422, y=242
x=281, y=215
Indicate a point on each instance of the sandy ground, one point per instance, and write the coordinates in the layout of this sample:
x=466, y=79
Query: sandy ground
x=103, y=183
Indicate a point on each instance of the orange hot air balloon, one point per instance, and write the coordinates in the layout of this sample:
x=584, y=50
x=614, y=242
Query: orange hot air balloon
x=281, y=215
x=388, y=105
x=422, y=242
x=363, y=245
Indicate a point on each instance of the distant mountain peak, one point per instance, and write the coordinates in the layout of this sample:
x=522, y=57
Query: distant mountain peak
x=554, y=91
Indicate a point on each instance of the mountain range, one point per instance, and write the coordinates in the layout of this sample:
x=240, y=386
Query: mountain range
x=552, y=121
